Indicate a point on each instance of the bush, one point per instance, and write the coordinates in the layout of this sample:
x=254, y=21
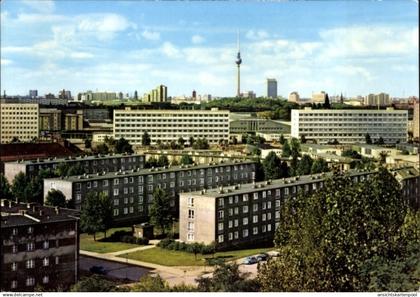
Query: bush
x=126, y=238
x=207, y=249
x=165, y=242
x=142, y=241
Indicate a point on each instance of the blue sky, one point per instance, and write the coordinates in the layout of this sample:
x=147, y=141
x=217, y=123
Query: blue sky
x=354, y=47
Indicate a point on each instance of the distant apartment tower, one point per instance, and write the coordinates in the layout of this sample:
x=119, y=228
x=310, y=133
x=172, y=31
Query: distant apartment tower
x=40, y=247
x=294, y=97
x=73, y=121
x=271, y=88
x=50, y=119
x=169, y=125
x=249, y=94
x=19, y=120
x=159, y=94
x=381, y=99
x=416, y=121
x=350, y=126
x=318, y=97
x=33, y=93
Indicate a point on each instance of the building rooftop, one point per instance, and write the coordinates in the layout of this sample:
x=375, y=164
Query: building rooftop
x=74, y=158
x=19, y=214
x=141, y=171
x=268, y=185
x=15, y=151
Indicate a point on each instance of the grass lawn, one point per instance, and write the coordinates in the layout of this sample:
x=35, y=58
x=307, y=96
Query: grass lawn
x=177, y=258
x=88, y=244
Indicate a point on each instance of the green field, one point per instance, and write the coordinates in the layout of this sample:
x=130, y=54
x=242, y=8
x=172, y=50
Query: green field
x=177, y=258
x=88, y=244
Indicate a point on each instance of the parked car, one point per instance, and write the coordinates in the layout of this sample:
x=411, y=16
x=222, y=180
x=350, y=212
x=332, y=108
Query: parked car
x=250, y=260
x=97, y=270
x=263, y=257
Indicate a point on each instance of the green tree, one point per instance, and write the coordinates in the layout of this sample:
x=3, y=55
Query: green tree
x=88, y=143
x=380, y=141
x=227, y=278
x=20, y=187
x=96, y=213
x=150, y=283
x=61, y=169
x=327, y=104
x=191, y=141
x=151, y=162
x=55, y=198
x=123, y=146
x=259, y=171
x=319, y=165
x=181, y=141
x=282, y=140
x=351, y=154
x=325, y=238
x=145, y=139
x=302, y=139
x=286, y=151
x=5, y=192
x=368, y=140
x=75, y=170
x=95, y=283
x=305, y=165
x=162, y=161
x=161, y=210
x=271, y=165
x=294, y=147
x=102, y=148
x=382, y=157
x=186, y=160
x=234, y=140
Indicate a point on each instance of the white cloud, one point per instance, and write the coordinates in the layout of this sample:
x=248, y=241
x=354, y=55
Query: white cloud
x=257, y=34
x=351, y=70
x=103, y=26
x=150, y=35
x=170, y=50
x=6, y=62
x=81, y=55
x=197, y=39
x=44, y=6
x=37, y=18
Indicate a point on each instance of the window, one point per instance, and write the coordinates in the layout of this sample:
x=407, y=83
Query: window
x=277, y=203
x=126, y=180
x=236, y=210
x=264, y=205
x=269, y=216
x=221, y=238
x=30, y=230
x=278, y=193
x=46, y=261
x=264, y=229
x=14, y=284
x=190, y=236
x=245, y=209
x=116, y=212
x=125, y=210
x=236, y=222
x=245, y=221
x=125, y=190
x=264, y=217
x=78, y=197
x=255, y=196
x=230, y=236
x=88, y=185
x=221, y=214
x=46, y=244
x=255, y=207
x=116, y=202
x=269, y=227
x=269, y=204
x=105, y=183
x=230, y=211
x=57, y=260
x=190, y=226
x=30, y=281
x=30, y=264
x=131, y=209
x=95, y=184
x=245, y=198
x=230, y=224
x=230, y=200
x=191, y=202
x=125, y=200
x=14, y=266
x=220, y=227
x=45, y=279
x=30, y=246
x=191, y=214
x=255, y=230
x=236, y=234
x=115, y=192
x=245, y=233
x=255, y=219
x=15, y=231
x=116, y=181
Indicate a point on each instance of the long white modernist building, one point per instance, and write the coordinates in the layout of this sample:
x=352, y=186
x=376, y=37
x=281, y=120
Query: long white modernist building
x=169, y=125
x=350, y=125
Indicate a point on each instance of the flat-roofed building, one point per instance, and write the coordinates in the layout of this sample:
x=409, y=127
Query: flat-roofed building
x=294, y=97
x=40, y=247
x=90, y=164
x=132, y=191
x=169, y=125
x=350, y=126
x=240, y=215
x=19, y=120
x=50, y=119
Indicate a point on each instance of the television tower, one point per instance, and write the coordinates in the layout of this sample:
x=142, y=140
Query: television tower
x=238, y=63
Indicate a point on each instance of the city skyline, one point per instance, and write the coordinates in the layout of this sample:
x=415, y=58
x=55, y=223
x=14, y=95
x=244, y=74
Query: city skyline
x=355, y=48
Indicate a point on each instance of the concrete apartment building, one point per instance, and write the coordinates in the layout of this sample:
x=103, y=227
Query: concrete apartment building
x=132, y=191
x=294, y=97
x=416, y=121
x=159, y=94
x=381, y=99
x=50, y=119
x=319, y=97
x=350, y=126
x=40, y=247
x=244, y=214
x=90, y=164
x=271, y=88
x=169, y=125
x=20, y=121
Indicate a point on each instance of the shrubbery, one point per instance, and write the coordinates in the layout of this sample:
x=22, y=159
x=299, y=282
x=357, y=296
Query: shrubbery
x=127, y=237
x=202, y=248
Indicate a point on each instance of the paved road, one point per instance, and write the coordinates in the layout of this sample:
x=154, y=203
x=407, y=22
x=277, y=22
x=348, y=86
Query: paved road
x=115, y=269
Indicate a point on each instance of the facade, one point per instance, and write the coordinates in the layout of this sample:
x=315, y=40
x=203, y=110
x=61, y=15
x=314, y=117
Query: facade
x=381, y=99
x=253, y=125
x=319, y=97
x=20, y=121
x=40, y=247
x=409, y=178
x=47, y=100
x=271, y=88
x=132, y=191
x=169, y=125
x=90, y=164
x=33, y=93
x=294, y=97
x=416, y=121
x=73, y=121
x=350, y=126
x=159, y=94
x=50, y=119
x=240, y=215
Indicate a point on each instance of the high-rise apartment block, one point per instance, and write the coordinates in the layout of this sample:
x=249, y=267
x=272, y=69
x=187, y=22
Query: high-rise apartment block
x=50, y=119
x=159, y=94
x=40, y=247
x=350, y=126
x=381, y=99
x=90, y=164
x=294, y=97
x=33, y=93
x=19, y=120
x=169, y=125
x=271, y=88
x=319, y=97
x=416, y=121
x=131, y=191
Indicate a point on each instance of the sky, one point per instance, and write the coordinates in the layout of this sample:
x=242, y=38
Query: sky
x=349, y=47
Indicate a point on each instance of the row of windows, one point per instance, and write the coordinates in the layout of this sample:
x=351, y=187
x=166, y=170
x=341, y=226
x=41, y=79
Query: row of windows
x=30, y=264
x=30, y=281
x=170, y=115
x=245, y=233
x=245, y=221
